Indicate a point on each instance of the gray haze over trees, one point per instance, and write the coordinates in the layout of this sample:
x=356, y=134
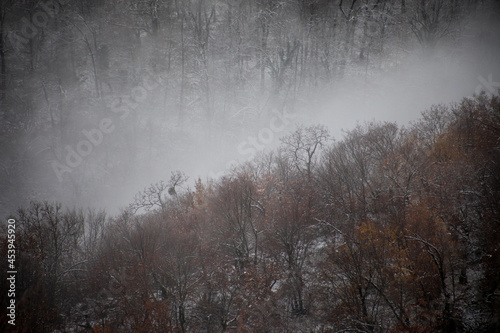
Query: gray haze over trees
x=390, y=229
x=101, y=98
x=251, y=166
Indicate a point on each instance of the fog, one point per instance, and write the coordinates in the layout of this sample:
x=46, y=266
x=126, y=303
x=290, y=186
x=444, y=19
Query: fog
x=398, y=94
x=394, y=86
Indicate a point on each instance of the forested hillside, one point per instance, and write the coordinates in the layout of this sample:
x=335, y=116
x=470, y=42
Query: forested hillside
x=100, y=98
x=285, y=215
x=389, y=229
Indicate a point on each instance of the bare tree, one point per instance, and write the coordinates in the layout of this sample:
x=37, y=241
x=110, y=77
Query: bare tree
x=431, y=20
x=302, y=145
x=155, y=196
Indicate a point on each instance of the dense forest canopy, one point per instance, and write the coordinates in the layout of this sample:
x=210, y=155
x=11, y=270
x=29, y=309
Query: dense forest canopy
x=286, y=214
x=388, y=230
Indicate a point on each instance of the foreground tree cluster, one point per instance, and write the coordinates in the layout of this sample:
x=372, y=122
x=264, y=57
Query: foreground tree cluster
x=387, y=230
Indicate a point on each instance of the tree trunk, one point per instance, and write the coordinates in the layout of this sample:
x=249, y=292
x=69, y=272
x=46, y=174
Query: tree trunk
x=3, y=66
x=183, y=73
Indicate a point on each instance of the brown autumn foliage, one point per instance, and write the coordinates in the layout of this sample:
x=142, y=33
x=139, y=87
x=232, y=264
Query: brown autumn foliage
x=387, y=230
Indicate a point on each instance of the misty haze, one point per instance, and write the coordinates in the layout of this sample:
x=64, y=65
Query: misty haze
x=250, y=166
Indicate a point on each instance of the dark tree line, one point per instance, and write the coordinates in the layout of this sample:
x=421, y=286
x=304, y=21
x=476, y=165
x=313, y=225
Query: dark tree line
x=386, y=230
